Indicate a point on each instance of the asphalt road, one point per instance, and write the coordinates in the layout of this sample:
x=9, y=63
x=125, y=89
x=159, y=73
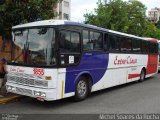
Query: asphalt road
x=137, y=98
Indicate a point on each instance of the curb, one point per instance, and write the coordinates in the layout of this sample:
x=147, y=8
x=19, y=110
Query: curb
x=8, y=99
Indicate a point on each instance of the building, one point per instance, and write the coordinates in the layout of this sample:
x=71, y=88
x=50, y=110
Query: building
x=63, y=10
x=154, y=15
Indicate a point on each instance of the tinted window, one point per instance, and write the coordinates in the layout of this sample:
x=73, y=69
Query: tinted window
x=126, y=44
x=144, y=47
x=153, y=48
x=92, y=40
x=91, y=35
x=98, y=43
x=69, y=41
x=106, y=42
x=136, y=44
x=75, y=41
x=86, y=41
x=113, y=43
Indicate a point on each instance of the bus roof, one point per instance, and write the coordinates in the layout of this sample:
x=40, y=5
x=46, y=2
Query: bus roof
x=151, y=39
x=56, y=22
x=66, y=22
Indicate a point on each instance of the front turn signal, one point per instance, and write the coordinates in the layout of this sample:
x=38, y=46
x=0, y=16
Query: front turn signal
x=48, y=78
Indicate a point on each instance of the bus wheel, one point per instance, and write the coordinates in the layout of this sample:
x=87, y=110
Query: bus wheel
x=82, y=89
x=142, y=75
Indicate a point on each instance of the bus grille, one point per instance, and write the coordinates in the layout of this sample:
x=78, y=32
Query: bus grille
x=41, y=83
x=27, y=81
x=24, y=91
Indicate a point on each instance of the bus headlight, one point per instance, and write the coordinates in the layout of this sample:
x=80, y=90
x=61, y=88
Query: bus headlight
x=9, y=88
x=13, y=89
x=37, y=93
x=43, y=94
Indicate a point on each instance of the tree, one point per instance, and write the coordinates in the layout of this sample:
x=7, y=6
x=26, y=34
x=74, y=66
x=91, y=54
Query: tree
x=109, y=15
x=158, y=24
x=14, y=12
x=156, y=34
x=128, y=17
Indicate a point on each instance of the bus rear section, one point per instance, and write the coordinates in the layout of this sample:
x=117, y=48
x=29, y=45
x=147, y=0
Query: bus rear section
x=153, y=57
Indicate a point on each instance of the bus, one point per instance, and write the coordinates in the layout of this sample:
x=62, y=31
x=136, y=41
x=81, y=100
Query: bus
x=159, y=56
x=55, y=59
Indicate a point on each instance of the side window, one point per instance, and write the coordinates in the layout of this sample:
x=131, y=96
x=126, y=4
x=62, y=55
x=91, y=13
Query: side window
x=64, y=41
x=98, y=41
x=126, y=44
x=156, y=48
x=92, y=40
x=136, y=44
x=91, y=34
x=153, y=48
x=144, y=47
x=75, y=42
x=86, y=41
x=106, y=41
x=114, y=43
x=69, y=41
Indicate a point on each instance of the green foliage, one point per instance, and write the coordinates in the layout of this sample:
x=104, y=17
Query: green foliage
x=108, y=13
x=158, y=24
x=156, y=34
x=128, y=17
x=14, y=12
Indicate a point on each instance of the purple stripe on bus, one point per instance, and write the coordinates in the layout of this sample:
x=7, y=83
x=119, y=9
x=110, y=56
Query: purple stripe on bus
x=93, y=63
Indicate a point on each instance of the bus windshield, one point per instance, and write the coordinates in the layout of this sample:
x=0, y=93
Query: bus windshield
x=34, y=46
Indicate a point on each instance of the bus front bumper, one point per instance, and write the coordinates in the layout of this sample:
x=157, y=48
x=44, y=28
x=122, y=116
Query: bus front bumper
x=39, y=93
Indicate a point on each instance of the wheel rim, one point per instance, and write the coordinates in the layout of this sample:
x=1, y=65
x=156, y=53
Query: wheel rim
x=81, y=88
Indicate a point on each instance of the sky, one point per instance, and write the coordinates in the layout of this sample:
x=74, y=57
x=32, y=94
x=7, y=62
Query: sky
x=80, y=7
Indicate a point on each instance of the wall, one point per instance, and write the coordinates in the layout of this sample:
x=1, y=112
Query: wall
x=5, y=49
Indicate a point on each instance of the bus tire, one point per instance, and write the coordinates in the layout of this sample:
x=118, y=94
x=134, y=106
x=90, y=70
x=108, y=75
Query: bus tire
x=142, y=75
x=82, y=89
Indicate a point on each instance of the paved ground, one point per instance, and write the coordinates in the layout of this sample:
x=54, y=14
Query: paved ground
x=130, y=98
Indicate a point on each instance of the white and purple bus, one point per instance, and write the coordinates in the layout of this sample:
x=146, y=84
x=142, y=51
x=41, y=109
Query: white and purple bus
x=159, y=55
x=55, y=59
